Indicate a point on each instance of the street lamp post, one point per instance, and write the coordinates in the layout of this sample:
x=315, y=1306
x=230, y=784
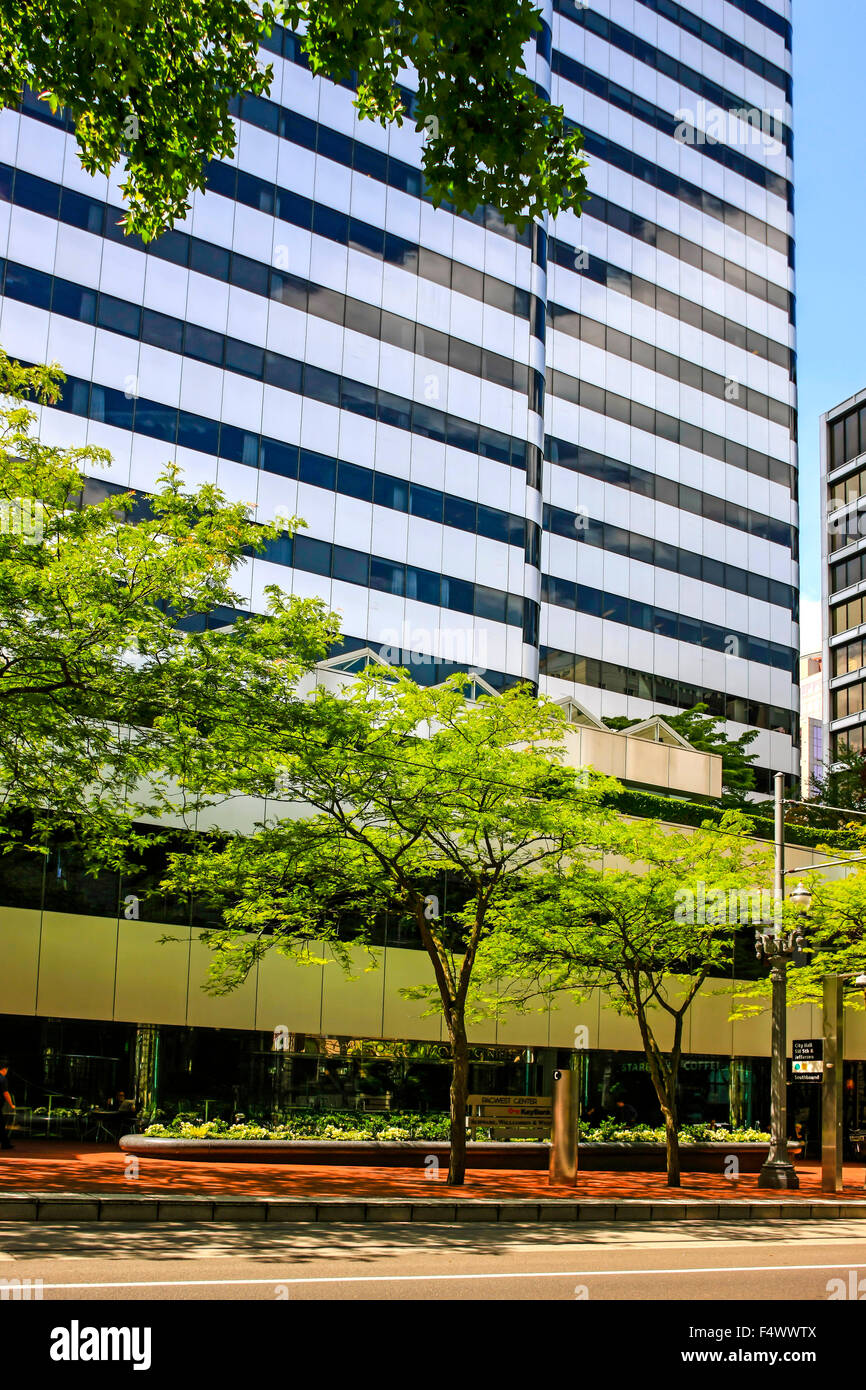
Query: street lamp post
x=778, y=947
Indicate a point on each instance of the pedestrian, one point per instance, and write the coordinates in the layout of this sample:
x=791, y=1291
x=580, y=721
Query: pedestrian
x=5, y=1099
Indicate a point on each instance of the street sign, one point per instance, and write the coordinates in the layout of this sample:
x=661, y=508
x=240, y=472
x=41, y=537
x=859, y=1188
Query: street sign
x=808, y=1059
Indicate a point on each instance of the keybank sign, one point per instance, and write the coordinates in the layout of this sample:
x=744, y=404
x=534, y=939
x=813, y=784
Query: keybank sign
x=77, y=1343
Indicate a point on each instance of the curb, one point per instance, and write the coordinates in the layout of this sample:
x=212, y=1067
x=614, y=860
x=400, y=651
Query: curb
x=63, y=1206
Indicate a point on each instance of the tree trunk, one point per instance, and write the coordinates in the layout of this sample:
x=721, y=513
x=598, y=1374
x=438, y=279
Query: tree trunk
x=459, y=1089
x=664, y=1078
x=672, y=1147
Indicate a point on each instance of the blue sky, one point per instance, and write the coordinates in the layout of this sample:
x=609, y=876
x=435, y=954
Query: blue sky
x=830, y=208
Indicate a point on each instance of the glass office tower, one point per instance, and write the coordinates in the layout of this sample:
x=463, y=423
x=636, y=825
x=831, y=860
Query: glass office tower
x=564, y=456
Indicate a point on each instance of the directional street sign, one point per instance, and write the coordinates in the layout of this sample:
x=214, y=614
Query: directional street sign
x=808, y=1060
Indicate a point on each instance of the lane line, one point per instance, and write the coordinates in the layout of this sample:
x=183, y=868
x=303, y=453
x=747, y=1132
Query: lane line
x=425, y=1278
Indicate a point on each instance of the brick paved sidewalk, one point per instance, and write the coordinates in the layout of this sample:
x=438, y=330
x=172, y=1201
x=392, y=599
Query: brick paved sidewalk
x=61, y=1166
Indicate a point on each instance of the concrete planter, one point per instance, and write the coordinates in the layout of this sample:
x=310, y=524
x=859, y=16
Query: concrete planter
x=635, y=1158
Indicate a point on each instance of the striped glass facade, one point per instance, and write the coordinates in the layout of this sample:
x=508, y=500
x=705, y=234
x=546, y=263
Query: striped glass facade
x=565, y=456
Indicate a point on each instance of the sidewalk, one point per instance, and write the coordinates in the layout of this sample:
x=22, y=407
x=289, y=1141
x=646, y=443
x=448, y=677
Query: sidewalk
x=63, y=1180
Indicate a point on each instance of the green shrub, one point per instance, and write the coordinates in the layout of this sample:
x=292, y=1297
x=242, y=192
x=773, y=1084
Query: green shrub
x=407, y=1125
x=671, y=809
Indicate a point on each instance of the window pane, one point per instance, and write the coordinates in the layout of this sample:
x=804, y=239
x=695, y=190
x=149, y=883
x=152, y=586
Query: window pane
x=852, y=435
x=161, y=331
x=425, y=502
x=196, y=432
x=457, y=594
x=73, y=301
x=318, y=469
x=391, y=492
x=244, y=358
x=203, y=344
x=354, y=481
x=280, y=458
x=388, y=577
x=489, y=603
x=28, y=286
x=158, y=421
x=312, y=555
x=423, y=585
x=350, y=565
x=208, y=259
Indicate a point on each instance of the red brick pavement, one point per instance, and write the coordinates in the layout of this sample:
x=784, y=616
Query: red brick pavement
x=64, y=1166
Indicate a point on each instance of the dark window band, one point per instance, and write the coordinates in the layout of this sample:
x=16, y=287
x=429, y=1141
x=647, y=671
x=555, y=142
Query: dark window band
x=290, y=46
x=711, y=36
x=762, y=13
x=602, y=210
x=319, y=557
x=79, y=210
x=605, y=536
x=579, y=75
x=311, y=216
x=644, y=52
x=645, y=685
x=663, y=622
x=670, y=427
x=664, y=301
x=657, y=359
x=382, y=490
x=577, y=459
x=343, y=150
x=339, y=562
x=287, y=373
x=601, y=147
x=174, y=335
x=672, y=244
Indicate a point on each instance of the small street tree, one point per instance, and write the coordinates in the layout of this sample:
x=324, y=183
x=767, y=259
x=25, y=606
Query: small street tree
x=647, y=927
x=103, y=677
x=396, y=786
x=833, y=930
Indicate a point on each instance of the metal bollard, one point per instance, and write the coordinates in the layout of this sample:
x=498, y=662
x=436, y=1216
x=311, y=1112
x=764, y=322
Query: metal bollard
x=563, y=1133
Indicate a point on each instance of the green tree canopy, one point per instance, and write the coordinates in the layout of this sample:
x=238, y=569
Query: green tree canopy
x=149, y=85
x=647, y=926
x=841, y=782
x=834, y=932
x=103, y=679
x=402, y=785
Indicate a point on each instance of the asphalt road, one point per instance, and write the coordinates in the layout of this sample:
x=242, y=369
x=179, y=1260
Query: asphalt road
x=682, y=1261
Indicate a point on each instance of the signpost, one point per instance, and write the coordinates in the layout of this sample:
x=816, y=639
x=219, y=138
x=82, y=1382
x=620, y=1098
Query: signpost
x=831, y=1101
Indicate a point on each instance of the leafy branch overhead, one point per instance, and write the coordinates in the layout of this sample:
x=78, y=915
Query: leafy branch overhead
x=149, y=85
